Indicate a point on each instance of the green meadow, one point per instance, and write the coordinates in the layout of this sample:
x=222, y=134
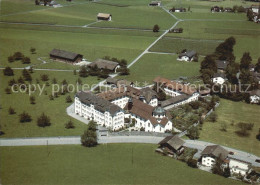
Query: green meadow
x=104, y=164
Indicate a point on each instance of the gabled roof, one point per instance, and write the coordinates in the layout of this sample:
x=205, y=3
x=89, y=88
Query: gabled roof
x=64, y=54
x=104, y=15
x=222, y=75
x=189, y=54
x=99, y=103
x=145, y=111
x=182, y=88
x=102, y=64
x=111, y=80
x=148, y=94
x=221, y=64
x=216, y=151
x=174, y=100
x=174, y=141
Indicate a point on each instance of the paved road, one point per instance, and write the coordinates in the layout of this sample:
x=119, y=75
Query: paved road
x=200, y=145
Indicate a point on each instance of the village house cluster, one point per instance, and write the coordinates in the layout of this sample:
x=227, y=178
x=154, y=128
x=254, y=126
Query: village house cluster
x=140, y=105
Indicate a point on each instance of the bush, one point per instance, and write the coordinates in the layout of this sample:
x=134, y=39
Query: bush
x=92, y=126
x=18, y=56
x=8, y=90
x=89, y=138
x=10, y=59
x=44, y=77
x=32, y=99
x=43, y=121
x=156, y=28
x=213, y=117
x=68, y=99
x=25, y=117
x=8, y=71
x=11, y=111
x=192, y=163
x=244, y=128
x=69, y=125
x=26, y=60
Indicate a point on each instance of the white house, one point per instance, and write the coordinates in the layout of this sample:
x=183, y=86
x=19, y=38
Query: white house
x=255, y=96
x=255, y=8
x=92, y=107
x=146, y=117
x=104, y=16
x=155, y=3
x=219, y=78
x=210, y=153
x=238, y=166
x=187, y=56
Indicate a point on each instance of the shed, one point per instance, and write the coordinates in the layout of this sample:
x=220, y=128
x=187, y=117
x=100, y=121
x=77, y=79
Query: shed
x=104, y=16
x=65, y=56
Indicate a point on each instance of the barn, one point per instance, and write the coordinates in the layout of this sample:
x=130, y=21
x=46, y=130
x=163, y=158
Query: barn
x=104, y=16
x=65, y=56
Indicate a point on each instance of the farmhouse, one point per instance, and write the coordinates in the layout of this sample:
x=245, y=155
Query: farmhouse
x=219, y=78
x=90, y=106
x=105, y=64
x=221, y=65
x=238, y=166
x=255, y=96
x=210, y=153
x=65, y=56
x=118, y=82
x=187, y=56
x=155, y=3
x=172, y=88
x=104, y=16
x=173, y=145
x=146, y=117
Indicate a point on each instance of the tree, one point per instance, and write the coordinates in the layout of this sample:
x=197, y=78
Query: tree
x=193, y=133
x=33, y=50
x=92, y=125
x=74, y=72
x=26, y=75
x=43, y=121
x=245, y=61
x=188, y=8
x=8, y=90
x=244, y=128
x=44, y=77
x=11, y=82
x=257, y=66
x=32, y=99
x=26, y=60
x=240, y=9
x=217, y=167
x=31, y=69
x=250, y=15
x=10, y=59
x=69, y=125
x=89, y=138
x=156, y=28
x=11, y=111
x=79, y=81
x=124, y=71
x=68, y=99
x=54, y=81
x=226, y=172
x=25, y=117
x=213, y=117
x=51, y=97
x=8, y=71
x=83, y=71
x=192, y=163
x=18, y=56
x=208, y=63
x=224, y=50
x=20, y=80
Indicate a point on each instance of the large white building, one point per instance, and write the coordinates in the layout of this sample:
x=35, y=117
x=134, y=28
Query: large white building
x=110, y=108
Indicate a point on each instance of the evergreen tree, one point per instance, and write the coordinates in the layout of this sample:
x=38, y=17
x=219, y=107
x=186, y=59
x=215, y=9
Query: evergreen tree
x=43, y=121
x=89, y=138
x=44, y=77
x=224, y=51
x=8, y=90
x=83, y=71
x=8, y=71
x=33, y=50
x=156, y=28
x=18, y=56
x=26, y=75
x=69, y=125
x=32, y=99
x=92, y=126
x=25, y=117
x=10, y=59
x=11, y=111
x=20, y=80
x=26, y=60
x=54, y=81
x=68, y=99
x=11, y=82
x=245, y=61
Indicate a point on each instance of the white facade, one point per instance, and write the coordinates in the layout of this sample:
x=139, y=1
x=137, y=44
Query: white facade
x=171, y=92
x=185, y=58
x=254, y=99
x=121, y=102
x=207, y=161
x=238, y=167
x=255, y=9
x=218, y=80
x=114, y=122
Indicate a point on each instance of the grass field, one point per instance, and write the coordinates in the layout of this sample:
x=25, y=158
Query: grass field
x=104, y=164
x=153, y=65
x=229, y=112
x=55, y=109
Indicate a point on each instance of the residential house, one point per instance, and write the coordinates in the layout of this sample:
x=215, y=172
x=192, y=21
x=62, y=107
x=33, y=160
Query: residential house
x=173, y=145
x=211, y=153
x=255, y=96
x=219, y=78
x=105, y=64
x=65, y=56
x=221, y=65
x=155, y=3
x=104, y=16
x=93, y=107
x=187, y=56
x=238, y=166
x=255, y=8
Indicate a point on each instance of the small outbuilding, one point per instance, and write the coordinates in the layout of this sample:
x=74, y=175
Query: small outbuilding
x=187, y=56
x=65, y=56
x=173, y=145
x=155, y=3
x=104, y=16
x=105, y=64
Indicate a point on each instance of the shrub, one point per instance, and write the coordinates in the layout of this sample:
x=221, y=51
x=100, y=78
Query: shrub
x=32, y=99
x=68, y=99
x=192, y=163
x=213, y=117
x=69, y=125
x=8, y=90
x=18, y=55
x=26, y=60
x=11, y=111
x=43, y=121
x=44, y=77
x=156, y=28
x=8, y=71
x=10, y=59
x=25, y=117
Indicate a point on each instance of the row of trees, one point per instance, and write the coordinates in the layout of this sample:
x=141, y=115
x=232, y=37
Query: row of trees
x=19, y=56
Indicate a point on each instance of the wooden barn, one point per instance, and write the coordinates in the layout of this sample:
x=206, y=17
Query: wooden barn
x=65, y=56
x=104, y=16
